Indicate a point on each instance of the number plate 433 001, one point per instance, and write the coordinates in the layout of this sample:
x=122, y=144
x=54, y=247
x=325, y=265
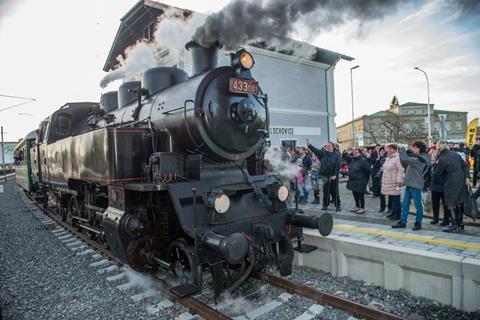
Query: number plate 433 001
x=243, y=86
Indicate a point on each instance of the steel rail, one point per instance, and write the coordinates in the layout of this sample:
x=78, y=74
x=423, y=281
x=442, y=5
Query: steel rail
x=190, y=303
x=322, y=297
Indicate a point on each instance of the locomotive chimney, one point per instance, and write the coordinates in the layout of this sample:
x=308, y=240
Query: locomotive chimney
x=203, y=58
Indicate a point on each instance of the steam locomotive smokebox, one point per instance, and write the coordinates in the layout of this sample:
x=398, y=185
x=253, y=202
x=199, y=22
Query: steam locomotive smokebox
x=109, y=101
x=127, y=93
x=159, y=78
x=203, y=58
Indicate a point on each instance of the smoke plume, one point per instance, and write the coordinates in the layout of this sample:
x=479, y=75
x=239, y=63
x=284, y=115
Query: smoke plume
x=172, y=32
x=139, y=58
x=242, y=21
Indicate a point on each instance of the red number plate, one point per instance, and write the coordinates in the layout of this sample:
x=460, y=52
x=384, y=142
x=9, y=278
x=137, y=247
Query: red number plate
x=243, y=86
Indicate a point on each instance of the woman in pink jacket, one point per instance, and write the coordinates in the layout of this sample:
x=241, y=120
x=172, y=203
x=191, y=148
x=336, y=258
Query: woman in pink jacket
x=392, y=180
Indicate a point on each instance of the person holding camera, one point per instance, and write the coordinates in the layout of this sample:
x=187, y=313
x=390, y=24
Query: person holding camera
x=415, y=160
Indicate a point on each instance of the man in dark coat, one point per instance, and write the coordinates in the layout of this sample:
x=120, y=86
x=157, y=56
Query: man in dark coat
x=455, y=187
x=437, y=184
x=377, y=167
x=358, y=174
x=329, y=168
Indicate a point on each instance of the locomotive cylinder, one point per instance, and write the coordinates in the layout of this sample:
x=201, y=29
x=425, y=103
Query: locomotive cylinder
x=233, y=247
x=324, y=222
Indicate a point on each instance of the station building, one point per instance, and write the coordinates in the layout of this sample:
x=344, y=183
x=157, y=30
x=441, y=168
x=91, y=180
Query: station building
x=8, y=146
x=300, y=91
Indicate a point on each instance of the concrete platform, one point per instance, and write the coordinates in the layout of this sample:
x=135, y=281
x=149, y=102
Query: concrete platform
x=440, y=266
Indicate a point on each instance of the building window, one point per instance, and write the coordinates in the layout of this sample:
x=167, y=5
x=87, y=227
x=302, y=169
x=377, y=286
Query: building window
x=149, y=32
x=448, y=125
x=458, y=126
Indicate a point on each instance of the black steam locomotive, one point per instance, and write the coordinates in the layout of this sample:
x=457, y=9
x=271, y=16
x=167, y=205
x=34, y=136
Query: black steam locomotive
x=168, y=173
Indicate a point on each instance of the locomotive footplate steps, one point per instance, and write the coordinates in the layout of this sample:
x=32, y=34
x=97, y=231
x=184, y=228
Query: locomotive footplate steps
x=185, y=290
x=304, y=248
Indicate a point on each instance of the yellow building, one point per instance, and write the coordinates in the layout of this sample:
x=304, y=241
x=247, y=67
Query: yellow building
x=404, y=123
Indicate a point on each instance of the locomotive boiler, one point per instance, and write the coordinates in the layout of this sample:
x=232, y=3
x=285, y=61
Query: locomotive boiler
x=168, y=173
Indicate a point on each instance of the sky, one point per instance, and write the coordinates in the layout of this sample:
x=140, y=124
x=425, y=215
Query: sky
x=54, y=51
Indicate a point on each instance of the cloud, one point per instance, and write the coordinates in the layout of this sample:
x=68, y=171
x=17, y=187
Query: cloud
x=7, y=7
x=427, y=37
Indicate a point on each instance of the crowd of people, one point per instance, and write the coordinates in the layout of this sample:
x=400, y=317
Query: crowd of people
x=395, y=174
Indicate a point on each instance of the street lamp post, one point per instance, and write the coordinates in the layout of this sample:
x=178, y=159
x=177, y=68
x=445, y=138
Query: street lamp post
x=443, y=131
x=428, y=106
x=353, y=113
x=3, y=154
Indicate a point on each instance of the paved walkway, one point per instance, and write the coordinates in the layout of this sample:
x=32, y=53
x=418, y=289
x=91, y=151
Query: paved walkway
x=374, y=226
x=433, y=241
x=372, y=216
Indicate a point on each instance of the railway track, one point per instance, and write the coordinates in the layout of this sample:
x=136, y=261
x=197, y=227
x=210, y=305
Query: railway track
x=207, y=312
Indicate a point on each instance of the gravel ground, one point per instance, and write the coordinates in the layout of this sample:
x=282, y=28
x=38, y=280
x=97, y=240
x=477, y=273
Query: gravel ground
x=41, y=278
x=398, y=302
x=253, y=295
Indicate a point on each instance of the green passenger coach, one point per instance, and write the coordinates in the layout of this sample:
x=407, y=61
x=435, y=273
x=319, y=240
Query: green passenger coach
x=23, y=164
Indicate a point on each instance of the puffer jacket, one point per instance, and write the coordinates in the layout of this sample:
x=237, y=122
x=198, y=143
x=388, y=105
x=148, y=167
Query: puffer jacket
x=392, y=175
x=358, y=174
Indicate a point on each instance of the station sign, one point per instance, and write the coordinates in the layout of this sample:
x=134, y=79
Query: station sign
x=294, y=131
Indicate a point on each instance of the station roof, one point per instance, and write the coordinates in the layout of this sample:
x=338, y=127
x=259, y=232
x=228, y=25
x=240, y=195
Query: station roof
x=146, y=12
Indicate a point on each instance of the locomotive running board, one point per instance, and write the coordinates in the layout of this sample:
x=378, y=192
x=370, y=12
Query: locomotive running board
x=305, y=248
x=185, y=290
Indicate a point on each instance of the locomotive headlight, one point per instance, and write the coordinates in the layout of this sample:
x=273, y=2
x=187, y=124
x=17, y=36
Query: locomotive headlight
x=246, y=60
x=219, y=201
x=222, y=203
x=282, y=193
x=242, y=59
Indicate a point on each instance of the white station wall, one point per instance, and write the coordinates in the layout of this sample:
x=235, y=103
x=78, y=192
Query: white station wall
x=300, y=97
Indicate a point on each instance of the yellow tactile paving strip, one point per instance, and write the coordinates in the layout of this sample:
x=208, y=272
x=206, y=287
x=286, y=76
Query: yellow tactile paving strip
x=404, y=236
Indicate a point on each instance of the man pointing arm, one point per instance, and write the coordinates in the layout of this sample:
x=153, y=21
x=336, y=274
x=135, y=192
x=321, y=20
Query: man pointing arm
x=329, y=168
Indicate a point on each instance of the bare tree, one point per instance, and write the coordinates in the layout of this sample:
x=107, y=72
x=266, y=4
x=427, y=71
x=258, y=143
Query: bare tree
x=394, y=127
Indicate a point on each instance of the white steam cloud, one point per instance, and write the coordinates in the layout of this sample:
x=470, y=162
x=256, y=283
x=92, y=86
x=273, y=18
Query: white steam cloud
x=281, y=166
x=141, y=281
x=172, y=32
